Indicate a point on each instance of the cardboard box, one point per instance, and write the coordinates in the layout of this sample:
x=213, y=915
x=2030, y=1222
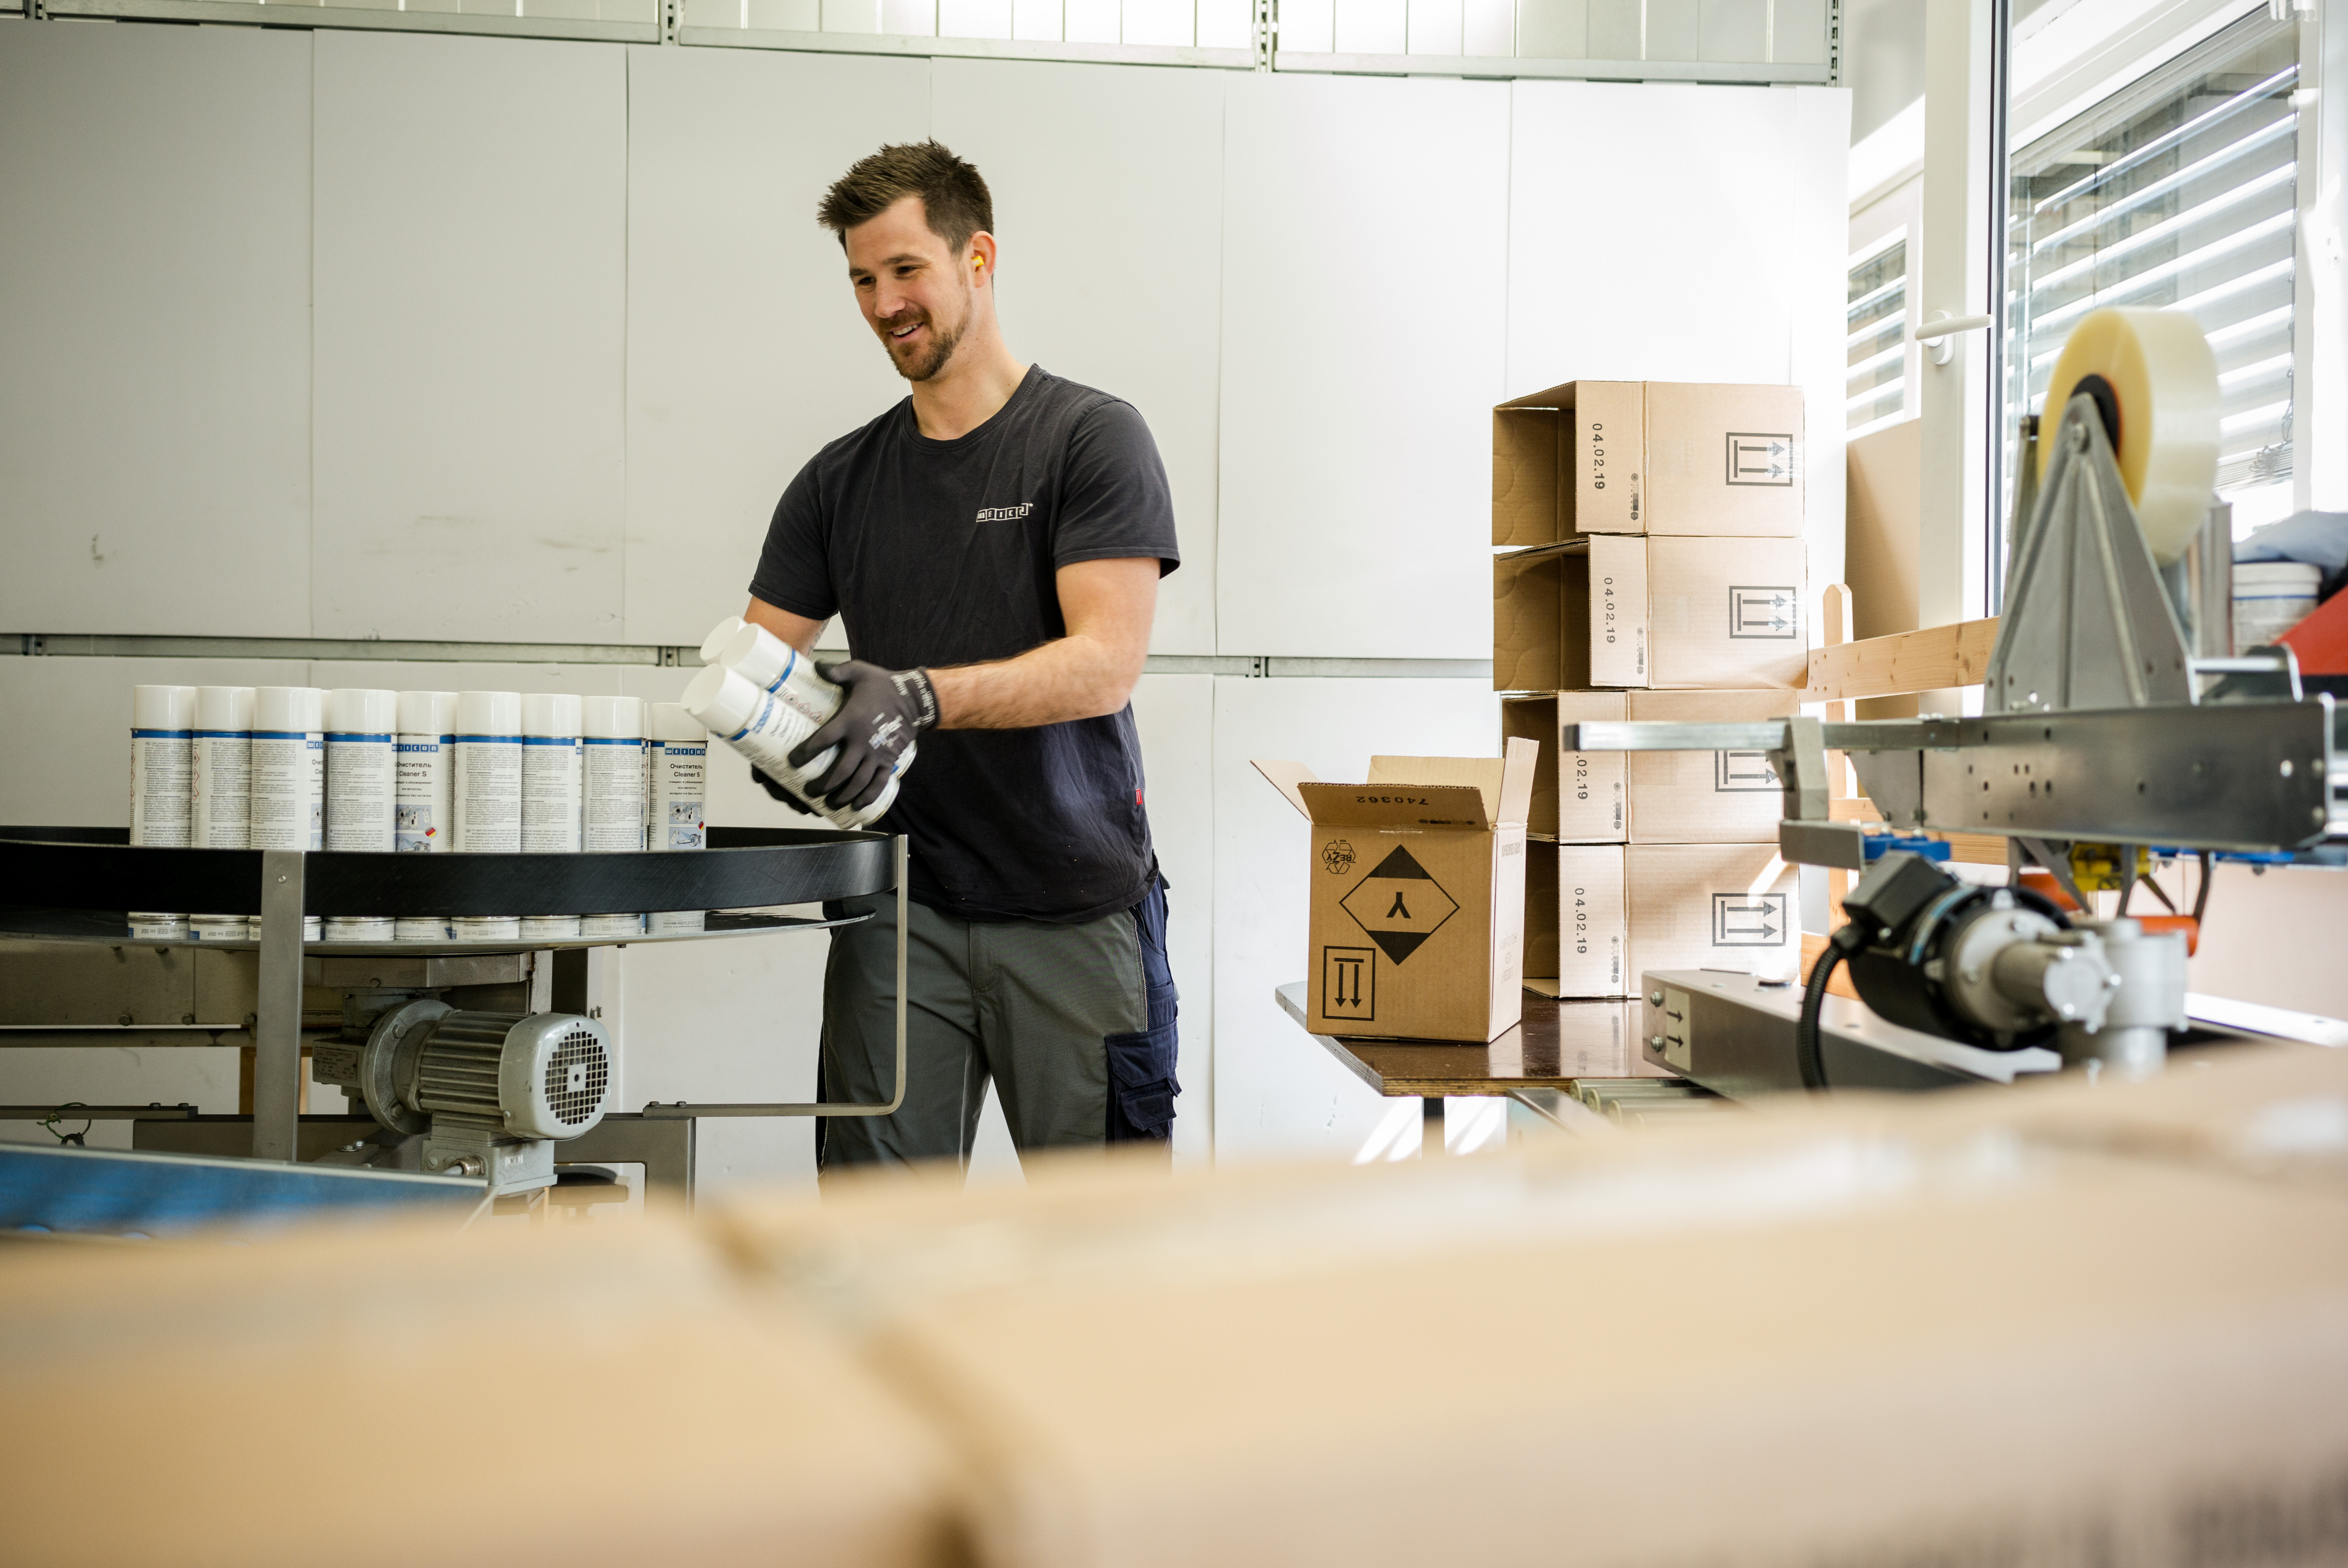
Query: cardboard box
x=1614, y=611
x=1649, y=797
x=1789, y=1338
x=1623, y=910
x=469, y=1366
x=1648, y=457
x=1418, y=881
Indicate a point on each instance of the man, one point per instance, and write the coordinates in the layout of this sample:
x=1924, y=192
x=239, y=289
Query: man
x=994, y=543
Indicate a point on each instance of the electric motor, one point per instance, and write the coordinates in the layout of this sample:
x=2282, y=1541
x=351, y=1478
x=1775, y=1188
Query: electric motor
x=2005, y=968
x=484, y=1084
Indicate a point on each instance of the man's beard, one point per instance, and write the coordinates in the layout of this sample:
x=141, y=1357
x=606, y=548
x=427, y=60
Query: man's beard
x=942, y=344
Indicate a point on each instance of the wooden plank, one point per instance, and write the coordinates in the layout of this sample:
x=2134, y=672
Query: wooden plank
x=1926, y=661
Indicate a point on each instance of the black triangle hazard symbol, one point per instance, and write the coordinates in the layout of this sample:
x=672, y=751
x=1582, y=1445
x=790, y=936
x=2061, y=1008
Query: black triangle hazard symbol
x=1399, y=945
x=1400, y=863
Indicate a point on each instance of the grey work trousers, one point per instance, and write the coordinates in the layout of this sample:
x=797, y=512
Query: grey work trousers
x=1075, y=1024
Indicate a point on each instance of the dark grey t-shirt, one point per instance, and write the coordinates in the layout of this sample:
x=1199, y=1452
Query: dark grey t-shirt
x=942, y=552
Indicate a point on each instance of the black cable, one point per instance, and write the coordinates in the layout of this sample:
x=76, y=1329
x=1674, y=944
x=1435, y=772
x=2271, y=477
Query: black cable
x=2160, y=894
x=2201, y=894
x=1809, y=1056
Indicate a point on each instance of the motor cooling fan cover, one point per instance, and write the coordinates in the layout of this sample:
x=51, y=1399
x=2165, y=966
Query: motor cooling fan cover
x=554, y=1077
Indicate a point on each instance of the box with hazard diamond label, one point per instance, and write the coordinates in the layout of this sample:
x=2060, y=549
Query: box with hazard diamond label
x=1417, y=923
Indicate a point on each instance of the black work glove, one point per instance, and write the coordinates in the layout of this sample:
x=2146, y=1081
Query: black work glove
x=759, y=777
x=880, y=712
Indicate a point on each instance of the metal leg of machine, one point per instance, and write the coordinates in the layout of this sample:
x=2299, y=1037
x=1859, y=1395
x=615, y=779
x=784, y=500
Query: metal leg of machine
x=825, y=1107
x=277, y=1028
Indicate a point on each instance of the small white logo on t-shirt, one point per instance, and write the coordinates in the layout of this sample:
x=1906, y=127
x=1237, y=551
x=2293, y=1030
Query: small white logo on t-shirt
x=1006, y=513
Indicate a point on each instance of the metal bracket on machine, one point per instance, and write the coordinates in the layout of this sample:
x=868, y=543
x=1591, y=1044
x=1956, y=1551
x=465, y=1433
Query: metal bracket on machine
x=2088, y=622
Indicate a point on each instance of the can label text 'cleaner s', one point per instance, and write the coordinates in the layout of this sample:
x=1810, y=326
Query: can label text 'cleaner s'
x=360, y=797
x=424, y=781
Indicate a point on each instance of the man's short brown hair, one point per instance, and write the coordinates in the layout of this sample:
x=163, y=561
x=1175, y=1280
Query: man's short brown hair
x=953, y=193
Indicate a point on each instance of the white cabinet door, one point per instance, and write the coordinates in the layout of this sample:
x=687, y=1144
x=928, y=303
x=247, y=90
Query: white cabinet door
x=1652, y=232
x=155, y=330
x=1364, y=311
x=746, y=352
x=471, y=307
x=1111, y=272
x=1673, y=232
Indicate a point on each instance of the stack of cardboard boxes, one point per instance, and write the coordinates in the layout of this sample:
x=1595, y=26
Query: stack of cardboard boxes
x=1649, y=567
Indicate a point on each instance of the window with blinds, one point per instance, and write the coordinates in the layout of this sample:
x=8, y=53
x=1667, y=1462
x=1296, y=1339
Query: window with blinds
x=1875, y=377
x=2179, y=192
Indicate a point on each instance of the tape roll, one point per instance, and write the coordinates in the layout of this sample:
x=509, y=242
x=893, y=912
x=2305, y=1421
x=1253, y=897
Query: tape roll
x=2153, y=374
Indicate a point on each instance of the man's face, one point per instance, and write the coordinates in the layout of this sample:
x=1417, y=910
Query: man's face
x=914, y=290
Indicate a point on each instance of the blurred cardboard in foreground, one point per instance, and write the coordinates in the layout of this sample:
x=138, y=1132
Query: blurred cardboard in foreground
x=587, y=1395
x=1886, y=1331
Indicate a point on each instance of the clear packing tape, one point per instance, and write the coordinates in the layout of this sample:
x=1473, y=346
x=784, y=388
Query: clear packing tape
x=2153, y=377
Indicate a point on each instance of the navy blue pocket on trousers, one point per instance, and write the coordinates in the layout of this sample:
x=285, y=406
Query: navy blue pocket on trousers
x=1141, y=1084
x=1141, y=1066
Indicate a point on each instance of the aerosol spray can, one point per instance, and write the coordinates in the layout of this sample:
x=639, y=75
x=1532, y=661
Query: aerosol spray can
x=289, y=776
x=763, y=727
x=611, y=810
x=220, y=791
x=162, y=727
x=680, y=780
x=486, y=796
x=424, y=768
x=771, y=664
x=359, y=792
x=553, y=773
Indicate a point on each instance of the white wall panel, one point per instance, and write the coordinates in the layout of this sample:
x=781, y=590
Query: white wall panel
x=1653, y=232
x=1277, y=1093
x=1372, y=26
x=1176, y=716
x=1093, y=21
x=1708, y=267
x=1109, y=260
x=1366, y=229
x=1226, y=24
x=745, y=353
x=67, y=721
x=1163, y=22
x=154, y=332
x=471, y=311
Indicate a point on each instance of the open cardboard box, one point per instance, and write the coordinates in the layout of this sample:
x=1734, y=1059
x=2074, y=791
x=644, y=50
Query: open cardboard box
x=1418, y=893
x=1647, y=457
